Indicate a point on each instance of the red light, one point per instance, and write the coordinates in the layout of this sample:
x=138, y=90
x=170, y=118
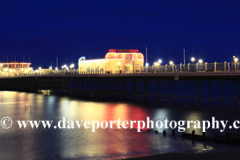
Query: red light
x=124, y=50
x=112, y=50
x=128, y=50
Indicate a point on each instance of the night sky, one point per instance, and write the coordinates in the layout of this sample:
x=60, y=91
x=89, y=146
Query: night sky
x=207, y=29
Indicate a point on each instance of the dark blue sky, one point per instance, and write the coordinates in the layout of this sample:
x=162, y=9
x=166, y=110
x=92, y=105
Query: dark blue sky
x=208, y=29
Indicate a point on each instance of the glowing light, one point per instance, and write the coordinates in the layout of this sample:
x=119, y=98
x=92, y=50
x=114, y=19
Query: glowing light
x=159, y=61
x=128, y=50
x=98, y=63
x=200, y=61
x=40, y=68
x=10, y=70
x=72, y=65
x=5, y=69
x=147, y=64
x=192, y=59
x=235, y=59
x=171, y=62
x=119, y=63
x=56, y=68
x=112, y=50
x=50, y=67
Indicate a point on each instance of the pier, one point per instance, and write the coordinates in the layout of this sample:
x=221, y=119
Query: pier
x=208, y=88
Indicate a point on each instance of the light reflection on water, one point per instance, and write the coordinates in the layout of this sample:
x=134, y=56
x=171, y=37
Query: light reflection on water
x=82, y=143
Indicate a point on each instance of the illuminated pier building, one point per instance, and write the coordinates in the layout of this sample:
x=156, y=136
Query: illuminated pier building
x=14, y=68
x=116, y=61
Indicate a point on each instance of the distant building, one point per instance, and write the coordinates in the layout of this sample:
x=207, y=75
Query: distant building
x=14, y=68
x=116, y=61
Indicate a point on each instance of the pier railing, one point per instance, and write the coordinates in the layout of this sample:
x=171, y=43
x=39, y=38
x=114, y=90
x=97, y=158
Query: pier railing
x=197, y=67
x=226, y=67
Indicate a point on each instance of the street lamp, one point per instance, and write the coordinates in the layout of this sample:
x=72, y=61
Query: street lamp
x=50, y=67
x=235, y=60
x=160, y=61
x=147, y=67
x=72, y=65
x=40, y=68
x=171, y=62
x=200, y=61
x=192, y=59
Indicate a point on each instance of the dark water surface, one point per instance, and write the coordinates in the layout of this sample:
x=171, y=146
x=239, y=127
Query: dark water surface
x=81, y=143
